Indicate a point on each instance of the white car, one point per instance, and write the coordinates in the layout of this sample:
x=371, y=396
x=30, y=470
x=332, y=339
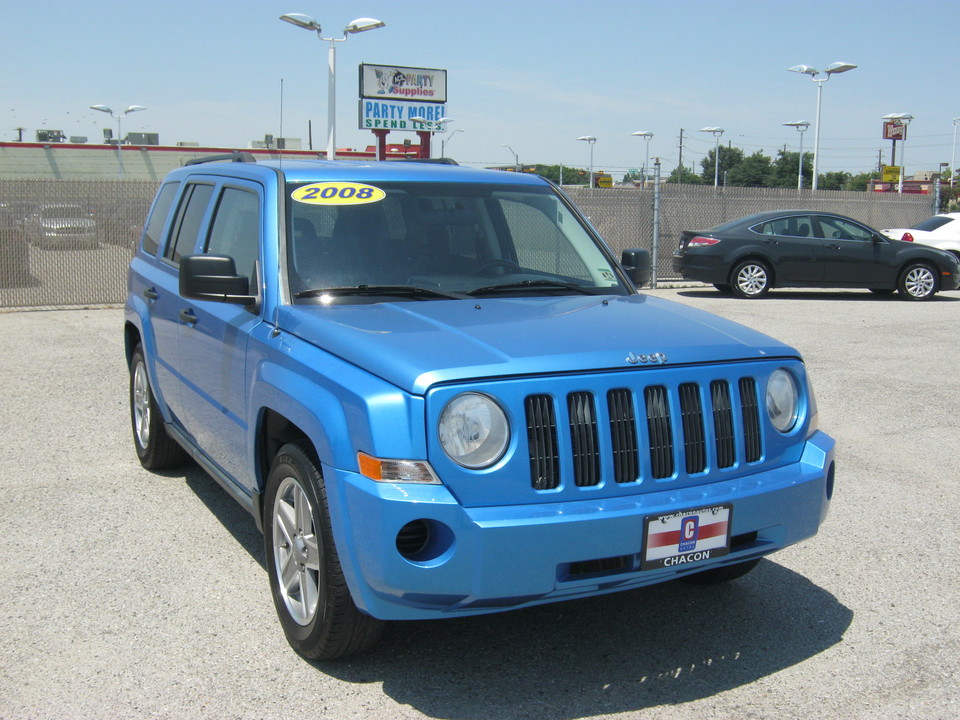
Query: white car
x=941, y=231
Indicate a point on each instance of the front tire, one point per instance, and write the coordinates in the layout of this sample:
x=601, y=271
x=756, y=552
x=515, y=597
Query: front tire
x=318, y=616
x=918, y=281
x=750, y=279
x=154, y=447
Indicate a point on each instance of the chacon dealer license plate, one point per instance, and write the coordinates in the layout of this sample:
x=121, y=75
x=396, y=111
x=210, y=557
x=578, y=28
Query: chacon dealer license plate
x=688, y=536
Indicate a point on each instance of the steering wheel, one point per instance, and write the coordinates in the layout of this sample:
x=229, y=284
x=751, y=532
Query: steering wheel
x=495, y=264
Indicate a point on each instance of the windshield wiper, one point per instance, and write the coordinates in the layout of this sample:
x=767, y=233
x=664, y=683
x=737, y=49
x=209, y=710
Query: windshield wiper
x=545, y=285
x=405, y=291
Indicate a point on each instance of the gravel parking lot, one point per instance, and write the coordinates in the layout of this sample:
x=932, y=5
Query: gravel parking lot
x=126, y=594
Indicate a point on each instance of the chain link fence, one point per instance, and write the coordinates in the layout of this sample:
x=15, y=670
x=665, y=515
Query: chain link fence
x=68, y=242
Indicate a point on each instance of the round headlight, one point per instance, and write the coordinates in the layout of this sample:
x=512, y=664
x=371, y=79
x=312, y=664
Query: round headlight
x=473, y=430
x=782, y=400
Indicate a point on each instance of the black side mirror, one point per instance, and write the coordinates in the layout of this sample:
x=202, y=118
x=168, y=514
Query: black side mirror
x=636, y=264
x=214, y=277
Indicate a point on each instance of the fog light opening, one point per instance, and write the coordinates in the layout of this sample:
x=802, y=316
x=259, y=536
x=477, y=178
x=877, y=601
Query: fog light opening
x=830, y=482
x=424, y=541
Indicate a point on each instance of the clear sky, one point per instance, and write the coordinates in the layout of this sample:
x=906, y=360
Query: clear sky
x=531, y=74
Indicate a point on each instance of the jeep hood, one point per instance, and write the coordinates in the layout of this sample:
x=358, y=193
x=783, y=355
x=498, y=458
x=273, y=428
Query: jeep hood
x=417, y=344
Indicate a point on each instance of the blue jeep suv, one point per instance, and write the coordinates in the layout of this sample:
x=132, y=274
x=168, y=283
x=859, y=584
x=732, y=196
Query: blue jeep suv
x=439, y=394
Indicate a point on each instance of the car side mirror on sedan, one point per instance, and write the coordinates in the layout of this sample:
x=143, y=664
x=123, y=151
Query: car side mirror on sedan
x=636, y=264
x=214, y=277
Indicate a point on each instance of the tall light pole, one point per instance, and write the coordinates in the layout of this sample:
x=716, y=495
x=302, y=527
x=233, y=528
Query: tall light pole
x=717, y=132
x=646, y=135
x=832, y=69
x=443, y=143
x=119, y=118
x=592, y=140
x=425, y=135
x=516, y=158
x=901, y=119
x=802, y=126
x=357, y=26
x=953, y=156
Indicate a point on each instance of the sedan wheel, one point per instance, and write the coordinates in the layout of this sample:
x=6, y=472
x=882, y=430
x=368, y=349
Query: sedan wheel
x=918, y=282
x=750, y=279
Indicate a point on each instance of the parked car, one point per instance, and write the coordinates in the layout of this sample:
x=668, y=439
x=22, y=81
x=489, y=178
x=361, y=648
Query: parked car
x=62, y=225
x=940, y=231
x=808, y=248
x=439, y=395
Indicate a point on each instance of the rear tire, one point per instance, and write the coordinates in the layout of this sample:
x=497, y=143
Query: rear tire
x=918, y=281
x=154, y=447
x=750, y=279
x=318, y=616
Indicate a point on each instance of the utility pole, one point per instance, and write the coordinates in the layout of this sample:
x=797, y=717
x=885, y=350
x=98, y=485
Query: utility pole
x=680, y=159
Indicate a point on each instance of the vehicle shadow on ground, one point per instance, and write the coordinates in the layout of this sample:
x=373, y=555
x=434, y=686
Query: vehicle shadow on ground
x=662, y=645
x=845, y=295
x=228, y=511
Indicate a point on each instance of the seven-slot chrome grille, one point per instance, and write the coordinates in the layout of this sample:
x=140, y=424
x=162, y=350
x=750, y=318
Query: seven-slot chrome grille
x=659, y=430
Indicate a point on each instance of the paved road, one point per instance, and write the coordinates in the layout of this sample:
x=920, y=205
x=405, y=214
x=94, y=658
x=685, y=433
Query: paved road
x=125, y=594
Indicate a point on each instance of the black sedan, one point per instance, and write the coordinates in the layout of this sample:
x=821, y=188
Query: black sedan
x=809, y=248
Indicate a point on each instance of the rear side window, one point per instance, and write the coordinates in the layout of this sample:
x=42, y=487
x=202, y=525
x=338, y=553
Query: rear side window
x=792, y=226
x=193, y=207
x=932, y=223
x=158, y=218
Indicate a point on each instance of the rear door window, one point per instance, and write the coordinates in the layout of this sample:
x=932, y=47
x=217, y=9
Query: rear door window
x=193, y=208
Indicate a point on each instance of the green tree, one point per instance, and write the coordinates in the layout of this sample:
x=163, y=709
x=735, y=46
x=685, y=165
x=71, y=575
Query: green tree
x=786, y=166
x=729, y=158
x=860, y=181
x=571, y=175
x=833, y=180
x=752, y=171
x=684, y=175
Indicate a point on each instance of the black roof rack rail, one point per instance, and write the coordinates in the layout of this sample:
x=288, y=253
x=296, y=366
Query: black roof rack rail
x=235, y=156
x=439, y=161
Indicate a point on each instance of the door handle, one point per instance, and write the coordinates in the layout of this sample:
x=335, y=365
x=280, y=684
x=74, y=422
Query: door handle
x=188, y=317
x=150, y=293
x=770, y=241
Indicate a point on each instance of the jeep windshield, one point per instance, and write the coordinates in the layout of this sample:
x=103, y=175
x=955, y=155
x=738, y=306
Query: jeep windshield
x=351, y=242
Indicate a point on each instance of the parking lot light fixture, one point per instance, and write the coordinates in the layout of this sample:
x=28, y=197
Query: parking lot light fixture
x=901, y=119
x=717, y=132
x=443, y=143
x=832, y=69
x=516, y=158
x=119, y=118
x=802, y=126
x=646, y=135
x=592, y=141
x=356, y=26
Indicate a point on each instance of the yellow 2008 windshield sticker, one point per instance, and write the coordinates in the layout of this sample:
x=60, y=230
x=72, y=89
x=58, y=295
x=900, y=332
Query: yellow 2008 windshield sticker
x=338, y=193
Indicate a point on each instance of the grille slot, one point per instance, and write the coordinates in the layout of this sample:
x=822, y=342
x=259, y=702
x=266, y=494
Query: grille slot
x=750, y=408
x=723, y=423
x=623, y=436
x=583, y=435
x=542, y=439
x=661, y=432
x=694, y=437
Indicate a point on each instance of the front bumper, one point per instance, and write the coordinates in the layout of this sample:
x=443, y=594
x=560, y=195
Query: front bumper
x=487, y=559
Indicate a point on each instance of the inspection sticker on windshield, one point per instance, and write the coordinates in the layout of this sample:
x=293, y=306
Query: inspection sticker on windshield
x=338, y=193
x=689, y=536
